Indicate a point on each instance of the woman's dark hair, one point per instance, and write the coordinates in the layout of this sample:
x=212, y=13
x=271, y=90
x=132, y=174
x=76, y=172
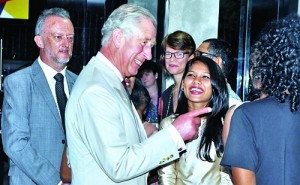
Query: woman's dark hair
x=148, y=66
x=219, y=102
x=140, y=96
x=178, y=40
x=279, y=60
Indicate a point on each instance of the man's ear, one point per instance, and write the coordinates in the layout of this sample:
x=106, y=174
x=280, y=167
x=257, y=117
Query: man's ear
x=219, y=61
x=39, y=41
x=117, y=37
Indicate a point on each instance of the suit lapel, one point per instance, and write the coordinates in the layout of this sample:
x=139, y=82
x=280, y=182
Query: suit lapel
x=39, y=79
x=70, y=81
x=117, y=84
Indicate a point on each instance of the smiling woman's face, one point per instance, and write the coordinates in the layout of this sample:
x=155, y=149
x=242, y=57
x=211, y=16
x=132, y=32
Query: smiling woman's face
x=197, y=85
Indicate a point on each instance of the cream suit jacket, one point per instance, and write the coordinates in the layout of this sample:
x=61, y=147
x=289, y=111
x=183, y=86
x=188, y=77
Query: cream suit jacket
x=106, y=139
x=189, y=169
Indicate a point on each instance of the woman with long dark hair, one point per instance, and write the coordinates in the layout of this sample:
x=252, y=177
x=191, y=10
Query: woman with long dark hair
x=203, y=84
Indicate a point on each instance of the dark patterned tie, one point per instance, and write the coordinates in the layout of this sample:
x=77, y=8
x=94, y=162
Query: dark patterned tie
x=61, y=97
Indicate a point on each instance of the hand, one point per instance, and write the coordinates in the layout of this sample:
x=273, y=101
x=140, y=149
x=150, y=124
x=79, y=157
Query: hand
x=150, y=129
x=188, y=124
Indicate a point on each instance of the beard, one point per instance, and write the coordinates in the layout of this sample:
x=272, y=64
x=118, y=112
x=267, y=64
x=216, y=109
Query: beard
x=63, y=60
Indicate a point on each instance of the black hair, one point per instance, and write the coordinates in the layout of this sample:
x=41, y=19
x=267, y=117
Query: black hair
x=280, y=59
x=149, y=66
x=254, y=88
x=219, y=102
x=140, y=96
x=221, y=48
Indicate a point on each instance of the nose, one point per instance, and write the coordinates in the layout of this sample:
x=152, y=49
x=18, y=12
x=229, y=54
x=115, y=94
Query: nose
x=65, y=42
x=148, y=52
x=197, y=81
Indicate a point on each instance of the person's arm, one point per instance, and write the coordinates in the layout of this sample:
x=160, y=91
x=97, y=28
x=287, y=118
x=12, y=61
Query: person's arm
x=243, y=177
x=241, y=157
x=226, y=125
x=166, y=174
x=112, y=129
x=16, y=132
x=149, y=128
x=65, y=171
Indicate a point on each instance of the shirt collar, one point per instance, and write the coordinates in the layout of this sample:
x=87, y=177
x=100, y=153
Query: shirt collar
x=102, y=58
x=49, y=71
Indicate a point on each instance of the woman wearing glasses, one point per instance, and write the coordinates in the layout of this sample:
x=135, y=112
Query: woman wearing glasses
x=176, y=47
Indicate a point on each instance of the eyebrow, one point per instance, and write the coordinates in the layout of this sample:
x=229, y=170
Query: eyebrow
x=201, y=72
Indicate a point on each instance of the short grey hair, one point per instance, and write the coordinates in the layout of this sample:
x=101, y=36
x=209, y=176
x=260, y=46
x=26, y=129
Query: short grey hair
x=125, y=18
x=59, y=12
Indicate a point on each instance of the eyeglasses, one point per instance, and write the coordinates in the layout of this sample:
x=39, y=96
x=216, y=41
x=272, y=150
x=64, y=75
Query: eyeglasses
x=201, y=53
x=59, y=38
x=178, y=55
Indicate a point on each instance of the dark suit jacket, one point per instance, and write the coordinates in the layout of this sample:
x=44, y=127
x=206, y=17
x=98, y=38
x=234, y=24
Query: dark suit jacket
x=32, y=132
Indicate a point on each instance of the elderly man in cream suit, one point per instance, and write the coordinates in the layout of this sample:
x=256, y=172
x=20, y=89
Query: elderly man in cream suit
x=106, y=139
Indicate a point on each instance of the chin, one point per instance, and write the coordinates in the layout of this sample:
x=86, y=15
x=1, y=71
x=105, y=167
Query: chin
x=133, y=73
x=63, y=60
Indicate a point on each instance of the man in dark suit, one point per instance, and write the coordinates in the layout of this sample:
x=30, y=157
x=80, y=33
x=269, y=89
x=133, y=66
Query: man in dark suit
x=32, y=131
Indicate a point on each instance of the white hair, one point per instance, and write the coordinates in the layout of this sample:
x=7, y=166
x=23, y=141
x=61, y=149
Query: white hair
x=125, y=18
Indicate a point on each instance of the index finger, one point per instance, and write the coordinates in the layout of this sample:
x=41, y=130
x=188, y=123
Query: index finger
x=198, y=112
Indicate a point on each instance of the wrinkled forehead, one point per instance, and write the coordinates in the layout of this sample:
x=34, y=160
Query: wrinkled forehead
x=58, y=25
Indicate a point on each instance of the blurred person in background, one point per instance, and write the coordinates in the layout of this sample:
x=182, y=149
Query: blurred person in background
x=148, y=74
x=220, y=51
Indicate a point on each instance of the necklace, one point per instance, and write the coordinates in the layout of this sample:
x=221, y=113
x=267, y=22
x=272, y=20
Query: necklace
x=170, y=99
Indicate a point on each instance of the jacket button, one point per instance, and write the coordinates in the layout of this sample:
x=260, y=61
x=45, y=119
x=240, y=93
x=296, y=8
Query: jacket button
x=63, y=141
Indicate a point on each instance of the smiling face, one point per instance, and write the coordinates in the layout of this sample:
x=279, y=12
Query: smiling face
x=135, y=49
x=197, y=86
x=56, y=41
x=174, y=65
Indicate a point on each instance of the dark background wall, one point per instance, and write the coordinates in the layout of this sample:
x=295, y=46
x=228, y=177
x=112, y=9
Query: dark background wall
x=240, y=23
x=20, y=50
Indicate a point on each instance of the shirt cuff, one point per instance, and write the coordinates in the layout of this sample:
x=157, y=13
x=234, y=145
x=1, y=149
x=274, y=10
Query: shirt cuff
x=176, y=138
